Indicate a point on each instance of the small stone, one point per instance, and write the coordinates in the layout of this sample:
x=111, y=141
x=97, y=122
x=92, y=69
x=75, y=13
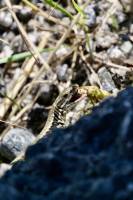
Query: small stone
x=6, y=19
x=7, y=51
x=121, y=17
x=106, y=79
x=9, y=36
x=57, y=14
x=15, y=141
x=62, y=51
x=66, y=20
x=17, y=43
x=33, y=37
x=104, y=41
x=126, y=47
x=90, y=16
x=62, y=72
x=116, y=55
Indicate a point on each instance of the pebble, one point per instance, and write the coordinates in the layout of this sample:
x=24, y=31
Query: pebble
x=105, y=41
x=9, y=36
x=7, y=51
x=62, y=51
x=106, y=79
x=126, y=47
x=62, y=72
x=33, y=37
x=116, y=54
x=90, y=16
x=17, y=43
x=14, y=142
x=121, y=17
x=57, y=14
x=5, y=19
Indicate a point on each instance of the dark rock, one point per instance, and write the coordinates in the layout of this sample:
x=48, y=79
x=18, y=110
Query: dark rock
x=92, y=159
x=24, y=14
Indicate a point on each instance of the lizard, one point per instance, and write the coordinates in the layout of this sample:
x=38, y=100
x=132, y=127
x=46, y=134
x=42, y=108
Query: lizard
x=63, y=104
x=57, y=114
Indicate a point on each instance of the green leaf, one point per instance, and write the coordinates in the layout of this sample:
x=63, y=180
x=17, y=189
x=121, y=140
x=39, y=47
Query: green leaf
x=76, y=6
x=58, y=7
x=115, y=23
x=20, y=56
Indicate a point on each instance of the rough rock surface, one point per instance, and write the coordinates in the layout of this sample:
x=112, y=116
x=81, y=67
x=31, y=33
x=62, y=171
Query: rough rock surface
x=91, y=160
x=15, y=141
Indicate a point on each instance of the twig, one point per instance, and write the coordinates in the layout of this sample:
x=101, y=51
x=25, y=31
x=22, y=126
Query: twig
x=16, y=85
x=110, y=64
x=30, y=45
x=67, y=32
x=44, y=14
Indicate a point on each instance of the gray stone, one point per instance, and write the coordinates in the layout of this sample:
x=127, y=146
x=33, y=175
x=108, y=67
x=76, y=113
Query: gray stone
x=121, y=17
x=62, y=72
x=90, y=16
x=15, y=141
x=116, y=54
x=106, y=79
x=5, y=19
x=126, y=47
x=105, y=40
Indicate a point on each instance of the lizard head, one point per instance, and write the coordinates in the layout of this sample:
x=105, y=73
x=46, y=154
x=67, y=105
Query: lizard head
x=70, y=97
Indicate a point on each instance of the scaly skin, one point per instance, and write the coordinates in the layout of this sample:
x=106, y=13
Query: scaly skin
x=56, y=117
x=65, y=102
